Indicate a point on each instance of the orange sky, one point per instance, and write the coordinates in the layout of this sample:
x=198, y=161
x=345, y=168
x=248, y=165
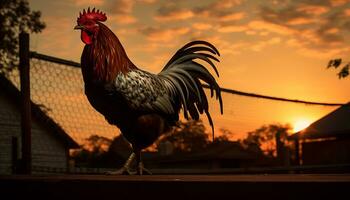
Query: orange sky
x=275, y=47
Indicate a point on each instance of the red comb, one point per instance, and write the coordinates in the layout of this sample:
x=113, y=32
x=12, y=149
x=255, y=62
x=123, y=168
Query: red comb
x=92, y=15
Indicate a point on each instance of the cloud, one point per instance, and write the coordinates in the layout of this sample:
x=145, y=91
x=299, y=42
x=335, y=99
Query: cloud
x=163, y=35
x=338, y=2
x=223, y=4
x=329, y=3
x=347, y=12
x=120, y=11
x=315, y=53
x=220, y=10
x=123, y=18
x=202, y=26
x=260, y=25
x=301, y=21
x=231, y=16
x=121, y=6
x=173, y=13
x=313, y=10
x=125, y=6
x=227, y=47
x=262, y=44
x=220, y=15
x=311, y=24
x=147, y=1
x=88, y=2
x=285, y=15
x=231, y=29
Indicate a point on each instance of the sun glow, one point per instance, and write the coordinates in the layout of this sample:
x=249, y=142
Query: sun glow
x=300, y=124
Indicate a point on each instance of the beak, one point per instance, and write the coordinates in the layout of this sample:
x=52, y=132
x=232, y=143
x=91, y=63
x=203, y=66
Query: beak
x=78, y=27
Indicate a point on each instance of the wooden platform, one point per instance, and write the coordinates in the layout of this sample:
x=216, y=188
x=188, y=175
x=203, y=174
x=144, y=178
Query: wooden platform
x=178, y=187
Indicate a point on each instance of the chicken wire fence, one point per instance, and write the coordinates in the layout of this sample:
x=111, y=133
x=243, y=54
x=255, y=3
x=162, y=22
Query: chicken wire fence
x=57, y=87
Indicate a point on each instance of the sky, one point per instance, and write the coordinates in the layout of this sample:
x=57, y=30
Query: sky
x=272, y=47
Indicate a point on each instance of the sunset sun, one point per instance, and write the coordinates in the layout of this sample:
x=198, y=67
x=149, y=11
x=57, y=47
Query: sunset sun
x=301, y=124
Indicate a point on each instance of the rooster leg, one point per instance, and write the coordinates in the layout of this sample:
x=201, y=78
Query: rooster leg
x=126, y=168
x=140, y=168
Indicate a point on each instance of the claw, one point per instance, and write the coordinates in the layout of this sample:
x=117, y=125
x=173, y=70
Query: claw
x=125, y=169
x=121, y=171
x=141, y=169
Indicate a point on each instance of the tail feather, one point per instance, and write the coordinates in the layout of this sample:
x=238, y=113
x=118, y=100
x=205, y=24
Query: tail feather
x=198, y=42
x=190, y=81
x=183, y=76
x=193, y=49
x=190, y=57
x=204, y=104
x=210, y=122
x=208, y=78
x=210, y=56
x=193, y=111
x=178, y=92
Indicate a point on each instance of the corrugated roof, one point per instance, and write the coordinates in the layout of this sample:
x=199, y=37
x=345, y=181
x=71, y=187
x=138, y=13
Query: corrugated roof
x=334, y=124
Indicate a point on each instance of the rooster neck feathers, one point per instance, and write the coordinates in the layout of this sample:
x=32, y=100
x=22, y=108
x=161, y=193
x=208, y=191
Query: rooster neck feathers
x=107, y=57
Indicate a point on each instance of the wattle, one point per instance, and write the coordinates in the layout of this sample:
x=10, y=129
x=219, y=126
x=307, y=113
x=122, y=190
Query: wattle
x=86, y=38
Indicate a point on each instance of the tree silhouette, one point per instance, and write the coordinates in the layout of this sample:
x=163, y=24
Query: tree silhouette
x=264, y=140
x=99, y=151
x=93, y=151
x=97, y=144
x=344, y=71
x=189, y=136
x=15, y=16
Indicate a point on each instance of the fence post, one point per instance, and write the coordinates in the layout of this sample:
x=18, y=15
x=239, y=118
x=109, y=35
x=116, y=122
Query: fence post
x=25, y=103
x=14, y=154
x=297, y=150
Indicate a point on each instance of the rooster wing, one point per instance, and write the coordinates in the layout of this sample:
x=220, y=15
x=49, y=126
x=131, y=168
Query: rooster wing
x=177, y=86
x=144, y=91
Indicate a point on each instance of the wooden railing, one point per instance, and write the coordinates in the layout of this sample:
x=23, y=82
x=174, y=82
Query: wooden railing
x=340, y=168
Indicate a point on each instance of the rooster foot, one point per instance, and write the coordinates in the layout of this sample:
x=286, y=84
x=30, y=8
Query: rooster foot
x=125, y=169
x=142, y=170
x=121, y=171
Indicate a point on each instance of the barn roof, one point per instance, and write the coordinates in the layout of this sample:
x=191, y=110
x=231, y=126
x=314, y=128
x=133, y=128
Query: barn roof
x=334, y=124
x=38, y=113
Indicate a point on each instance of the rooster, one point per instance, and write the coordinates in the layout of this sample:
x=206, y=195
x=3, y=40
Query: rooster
x=141, y=104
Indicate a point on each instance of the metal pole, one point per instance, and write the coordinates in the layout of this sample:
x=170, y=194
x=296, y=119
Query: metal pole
x=297, y=150
x=25, y=103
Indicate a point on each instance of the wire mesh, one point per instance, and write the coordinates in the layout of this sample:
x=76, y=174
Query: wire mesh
x=58, y=89
x=244, y=114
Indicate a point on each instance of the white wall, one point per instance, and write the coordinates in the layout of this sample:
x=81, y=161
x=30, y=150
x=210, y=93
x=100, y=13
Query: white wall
x=47, y=150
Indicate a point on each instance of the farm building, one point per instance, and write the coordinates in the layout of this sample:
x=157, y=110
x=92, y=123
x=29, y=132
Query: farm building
x=50, y=143
x=327, y=140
